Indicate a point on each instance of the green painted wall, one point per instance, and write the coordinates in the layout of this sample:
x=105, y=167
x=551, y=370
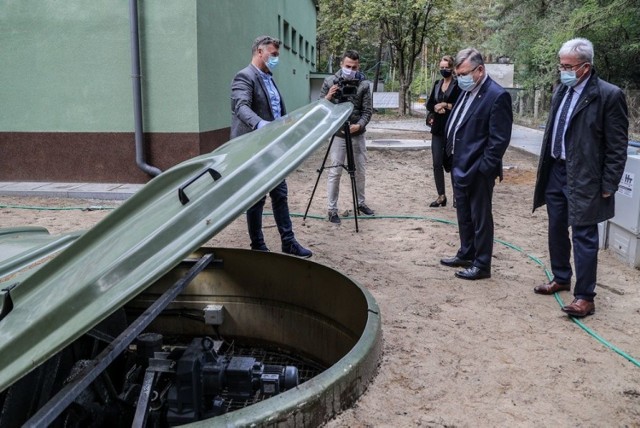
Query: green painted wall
x=226, y=31
x=66, y=64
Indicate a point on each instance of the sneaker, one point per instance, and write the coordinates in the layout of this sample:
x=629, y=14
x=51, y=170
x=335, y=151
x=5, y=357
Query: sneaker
x=363, y=209
x=334, y=217
x=262, y=247
x=297, y=250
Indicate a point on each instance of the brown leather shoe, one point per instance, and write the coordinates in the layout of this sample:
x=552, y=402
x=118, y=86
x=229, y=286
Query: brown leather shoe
x=551, y=288
x=580, y=308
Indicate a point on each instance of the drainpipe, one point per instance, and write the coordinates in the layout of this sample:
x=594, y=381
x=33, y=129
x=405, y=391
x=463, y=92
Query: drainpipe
x=137, y=92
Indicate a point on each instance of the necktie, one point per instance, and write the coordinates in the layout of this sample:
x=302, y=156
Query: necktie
x=452, y=129
x=562, y=122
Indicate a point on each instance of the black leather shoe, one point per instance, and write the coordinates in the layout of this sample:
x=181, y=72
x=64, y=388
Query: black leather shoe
x=456, y=262
x=440, y=202
x=473, y=273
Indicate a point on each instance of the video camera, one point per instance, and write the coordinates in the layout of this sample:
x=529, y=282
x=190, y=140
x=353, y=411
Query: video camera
x=346, y=88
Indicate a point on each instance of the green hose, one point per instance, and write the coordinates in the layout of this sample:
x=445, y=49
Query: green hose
x=403, y=217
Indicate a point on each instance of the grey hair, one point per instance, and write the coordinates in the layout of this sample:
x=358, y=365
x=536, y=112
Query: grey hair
x=473, y=55
x=264, y=41
x=580, y=47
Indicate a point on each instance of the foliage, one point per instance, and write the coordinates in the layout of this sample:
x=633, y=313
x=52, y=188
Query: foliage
x=405, y=39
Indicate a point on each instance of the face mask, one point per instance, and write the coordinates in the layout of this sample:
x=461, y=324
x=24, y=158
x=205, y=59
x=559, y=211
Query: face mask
x=348, y=73
x=272, y=62
x=568, y=78
x=445, y=73
x=466, y=83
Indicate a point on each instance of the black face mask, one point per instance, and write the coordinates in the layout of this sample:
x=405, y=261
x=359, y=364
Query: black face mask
x=445, y=73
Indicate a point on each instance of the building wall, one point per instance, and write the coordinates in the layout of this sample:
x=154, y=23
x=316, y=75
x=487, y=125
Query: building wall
x=66, y=84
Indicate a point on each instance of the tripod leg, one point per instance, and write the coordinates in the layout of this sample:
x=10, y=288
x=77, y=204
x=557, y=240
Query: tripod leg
x=324, y=161
x=351, y=169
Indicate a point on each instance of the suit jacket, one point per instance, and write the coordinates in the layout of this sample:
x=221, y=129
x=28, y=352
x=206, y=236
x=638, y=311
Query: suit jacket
x=483, y=135
x=596, y=142
x=451, y=96
x=250, y=101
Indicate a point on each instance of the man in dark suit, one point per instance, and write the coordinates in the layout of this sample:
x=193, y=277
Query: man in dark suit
x=256, y=101
x=584, y=151
x=478, y=133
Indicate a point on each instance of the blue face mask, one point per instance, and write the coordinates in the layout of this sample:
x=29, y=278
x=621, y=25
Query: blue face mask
x=568, y=78
x=466, y=83
x=272, y=62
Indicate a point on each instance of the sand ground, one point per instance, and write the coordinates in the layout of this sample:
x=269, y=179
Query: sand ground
x=456, y=353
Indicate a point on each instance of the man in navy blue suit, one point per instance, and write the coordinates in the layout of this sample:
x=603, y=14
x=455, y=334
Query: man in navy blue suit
x=478, y=133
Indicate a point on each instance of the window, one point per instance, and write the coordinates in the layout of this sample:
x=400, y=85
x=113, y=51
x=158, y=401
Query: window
x=294, y=39
x=285, y=35
x=301, y=46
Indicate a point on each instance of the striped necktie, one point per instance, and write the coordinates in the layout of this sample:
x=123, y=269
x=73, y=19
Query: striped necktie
x=562, y=124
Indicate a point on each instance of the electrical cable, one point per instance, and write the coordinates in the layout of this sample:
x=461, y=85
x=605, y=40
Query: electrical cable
x=580, y=324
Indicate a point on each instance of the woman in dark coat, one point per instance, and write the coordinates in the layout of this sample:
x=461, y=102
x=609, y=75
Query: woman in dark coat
x=443, y=96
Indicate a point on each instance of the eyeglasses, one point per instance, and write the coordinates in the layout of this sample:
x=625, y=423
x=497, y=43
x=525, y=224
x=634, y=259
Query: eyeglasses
x=569, y=67
x=468, y=72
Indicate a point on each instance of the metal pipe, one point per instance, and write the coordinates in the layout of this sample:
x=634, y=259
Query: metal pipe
x=137, y=92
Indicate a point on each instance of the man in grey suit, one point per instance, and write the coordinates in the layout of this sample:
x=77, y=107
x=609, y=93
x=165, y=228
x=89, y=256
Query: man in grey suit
x=256, y=101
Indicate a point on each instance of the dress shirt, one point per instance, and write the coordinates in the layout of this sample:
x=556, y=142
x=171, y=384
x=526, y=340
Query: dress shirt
x=467, y=98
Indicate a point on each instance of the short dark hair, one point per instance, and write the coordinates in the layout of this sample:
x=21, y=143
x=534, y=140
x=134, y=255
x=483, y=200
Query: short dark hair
x=264, y=41
x=354, y=55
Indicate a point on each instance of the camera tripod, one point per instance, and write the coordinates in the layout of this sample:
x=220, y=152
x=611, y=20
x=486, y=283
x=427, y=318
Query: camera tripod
x=350, y=168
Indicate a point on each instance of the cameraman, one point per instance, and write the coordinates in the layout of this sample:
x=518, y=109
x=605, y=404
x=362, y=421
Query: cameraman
x=348, y=84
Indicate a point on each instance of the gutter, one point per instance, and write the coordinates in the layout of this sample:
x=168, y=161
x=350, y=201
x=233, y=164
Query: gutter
x=137, y=92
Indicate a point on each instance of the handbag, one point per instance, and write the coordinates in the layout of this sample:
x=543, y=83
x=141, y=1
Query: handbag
x=430, y=117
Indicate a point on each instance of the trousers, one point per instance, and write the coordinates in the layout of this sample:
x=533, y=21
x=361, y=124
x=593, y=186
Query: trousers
x=338, y=159
x=475, y=221
x=280, y=206
x=584, y=238
x=438, y=143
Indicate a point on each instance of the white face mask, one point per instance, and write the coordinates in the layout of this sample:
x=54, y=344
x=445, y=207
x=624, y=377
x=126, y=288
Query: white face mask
x=348, y=73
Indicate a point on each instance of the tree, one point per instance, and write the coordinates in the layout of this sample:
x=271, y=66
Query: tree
x=405, y=26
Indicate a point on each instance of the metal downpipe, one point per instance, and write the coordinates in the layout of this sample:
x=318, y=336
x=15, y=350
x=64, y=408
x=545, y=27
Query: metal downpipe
x=137, y=92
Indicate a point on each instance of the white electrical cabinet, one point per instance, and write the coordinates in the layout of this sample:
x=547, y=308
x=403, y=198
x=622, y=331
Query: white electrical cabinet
x=624, y=244
x=628, y=197
x=623, y=230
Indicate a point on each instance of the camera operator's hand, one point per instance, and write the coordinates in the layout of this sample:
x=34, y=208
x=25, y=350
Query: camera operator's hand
x=353, y=128
x=331, y=93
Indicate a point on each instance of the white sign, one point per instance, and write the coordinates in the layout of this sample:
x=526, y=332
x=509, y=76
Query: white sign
x=626, y=184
